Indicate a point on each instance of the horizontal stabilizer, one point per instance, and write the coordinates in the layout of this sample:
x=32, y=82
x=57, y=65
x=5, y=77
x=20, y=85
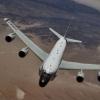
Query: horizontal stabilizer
x=60, y=36
x=73, y=40
x=68, y=65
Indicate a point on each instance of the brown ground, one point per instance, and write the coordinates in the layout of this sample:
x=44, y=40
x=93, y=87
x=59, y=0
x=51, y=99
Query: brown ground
x=19, y=77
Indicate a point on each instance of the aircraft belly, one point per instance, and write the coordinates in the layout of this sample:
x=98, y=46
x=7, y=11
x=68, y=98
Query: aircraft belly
x=52, y=64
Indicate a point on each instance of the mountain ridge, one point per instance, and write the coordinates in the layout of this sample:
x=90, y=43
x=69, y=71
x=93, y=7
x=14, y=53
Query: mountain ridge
x=56, y=14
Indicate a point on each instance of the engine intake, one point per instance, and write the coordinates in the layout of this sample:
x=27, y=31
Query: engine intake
x=23, y=52
x=98, y=76
x=80, y=77
x=10, y=37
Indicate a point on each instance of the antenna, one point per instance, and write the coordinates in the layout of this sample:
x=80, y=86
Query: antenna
x=67, y=30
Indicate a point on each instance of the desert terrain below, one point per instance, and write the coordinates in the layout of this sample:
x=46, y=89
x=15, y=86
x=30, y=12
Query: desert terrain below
x=19, y=77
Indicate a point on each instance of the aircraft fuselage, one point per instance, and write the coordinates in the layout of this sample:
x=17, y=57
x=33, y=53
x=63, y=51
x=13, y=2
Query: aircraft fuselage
x=51, y=64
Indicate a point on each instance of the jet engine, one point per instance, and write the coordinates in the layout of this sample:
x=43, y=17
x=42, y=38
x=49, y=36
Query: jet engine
x=98, y=76
x=23, y=52
x=80, y=77
x=10, y=37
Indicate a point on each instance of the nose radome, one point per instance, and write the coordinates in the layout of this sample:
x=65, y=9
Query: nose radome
x=44, y=79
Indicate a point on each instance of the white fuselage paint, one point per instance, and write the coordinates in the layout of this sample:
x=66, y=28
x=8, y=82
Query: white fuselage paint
x=51, y=64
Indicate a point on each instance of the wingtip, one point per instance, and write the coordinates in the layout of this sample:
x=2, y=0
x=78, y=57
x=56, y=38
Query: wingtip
x=73, y=40
x=50, y=28
x=6, y=19
x=79, y=41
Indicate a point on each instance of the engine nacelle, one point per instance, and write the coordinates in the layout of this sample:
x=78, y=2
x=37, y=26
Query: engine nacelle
x=98, y=76
x=10, y=37
x=23, y=52
x=80, y=77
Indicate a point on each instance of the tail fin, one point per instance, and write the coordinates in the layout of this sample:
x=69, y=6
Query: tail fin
x=67, y=31
x=68, y=39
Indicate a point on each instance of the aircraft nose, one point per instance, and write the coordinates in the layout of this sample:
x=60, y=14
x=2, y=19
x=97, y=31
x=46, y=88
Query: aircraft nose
x=44, y=79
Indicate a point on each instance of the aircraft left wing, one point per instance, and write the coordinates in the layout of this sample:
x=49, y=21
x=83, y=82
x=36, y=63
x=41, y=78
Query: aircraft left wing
x=67, y=65
x=38, y=51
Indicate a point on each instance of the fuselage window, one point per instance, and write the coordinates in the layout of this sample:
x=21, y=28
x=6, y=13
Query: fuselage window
x=57, y=51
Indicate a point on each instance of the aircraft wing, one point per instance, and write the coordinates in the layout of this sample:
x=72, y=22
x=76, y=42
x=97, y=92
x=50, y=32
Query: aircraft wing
x=38, y=51
x=67, y=65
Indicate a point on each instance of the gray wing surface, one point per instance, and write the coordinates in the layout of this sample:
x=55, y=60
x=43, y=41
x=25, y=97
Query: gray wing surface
x=38, y=51
x=67, y=65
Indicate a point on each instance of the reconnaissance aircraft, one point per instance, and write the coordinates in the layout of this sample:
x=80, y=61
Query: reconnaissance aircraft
x=52, y=62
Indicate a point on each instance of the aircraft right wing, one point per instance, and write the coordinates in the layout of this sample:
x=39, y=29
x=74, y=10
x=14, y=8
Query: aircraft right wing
x=73, y=40
x=38, y=51
x=67, y=65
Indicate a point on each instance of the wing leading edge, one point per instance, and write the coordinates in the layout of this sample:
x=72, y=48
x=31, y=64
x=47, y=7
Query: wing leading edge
x=67, y=65
x=38, y=51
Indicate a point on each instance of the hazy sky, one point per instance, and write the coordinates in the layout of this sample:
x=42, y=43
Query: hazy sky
x=92, y=3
